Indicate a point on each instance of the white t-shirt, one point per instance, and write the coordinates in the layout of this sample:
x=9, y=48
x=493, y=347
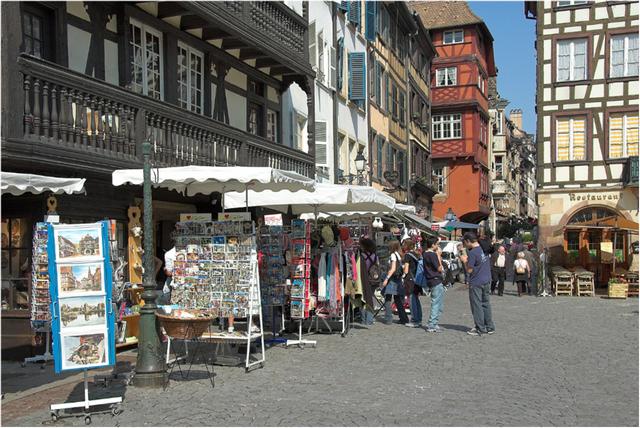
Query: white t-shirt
x=169, y=259
x=500, y=261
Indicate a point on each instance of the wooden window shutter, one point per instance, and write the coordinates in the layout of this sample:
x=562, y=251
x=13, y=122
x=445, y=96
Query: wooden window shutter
x=332, y=68
x=344, y=6
x=357, y=76
x=321, y=143
x=312, y=44
x=371, y=19
x=340, y=65
x=354, y=12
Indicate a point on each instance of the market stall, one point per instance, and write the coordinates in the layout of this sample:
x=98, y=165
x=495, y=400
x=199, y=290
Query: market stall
x=18, y=184
x=216, y=268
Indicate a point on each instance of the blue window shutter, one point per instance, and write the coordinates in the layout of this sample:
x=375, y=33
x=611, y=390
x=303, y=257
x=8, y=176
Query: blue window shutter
x=380, y=159
x=357, y=76
x=378, y=83
x=370, y=20
x=350, y=77
x=387, y=95
x=354, y=12
x=344, y=6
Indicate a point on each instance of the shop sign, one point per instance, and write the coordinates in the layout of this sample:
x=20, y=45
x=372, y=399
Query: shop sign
x=273, y=220
x=594, y=196
x=195, y=217
x=80, y=283
x=606, y=252
x=234, y=217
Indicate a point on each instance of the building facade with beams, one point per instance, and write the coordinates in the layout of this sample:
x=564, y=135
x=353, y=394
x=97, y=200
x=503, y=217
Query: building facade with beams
x=460, y=110
x=203, y=80
x=587, y=130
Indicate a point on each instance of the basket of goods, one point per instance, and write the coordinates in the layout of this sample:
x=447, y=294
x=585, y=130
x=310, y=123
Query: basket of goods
x=618, y=289
x=183, y=324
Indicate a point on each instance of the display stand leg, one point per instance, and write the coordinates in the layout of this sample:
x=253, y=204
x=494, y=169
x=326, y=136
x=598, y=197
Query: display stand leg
x=256, y=289
x=55, y=408
x=41, y=358
x=300, y=342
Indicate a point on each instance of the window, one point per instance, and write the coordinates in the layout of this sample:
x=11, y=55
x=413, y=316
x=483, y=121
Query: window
x=146, y=63
x=623, y=135
x=379, y=155
x=499, y=119
x=572, y=60
x=32, y=32
x=394, y=100
x=190, y=78
x=401, y=167
x=447, y=126
x=571, y=138
x=447, y=76
x=378, y=84
x=566, y=3
x=498, y=167
x=624, y=55
x=481, y=83
x=439, y=178
x=16, y=266
x=256, y=88
x=272, y=125
x=402, y=108
x=255, y=119
x=453, y=36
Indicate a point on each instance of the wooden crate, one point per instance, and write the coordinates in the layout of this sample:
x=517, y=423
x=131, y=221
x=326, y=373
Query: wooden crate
x=618, y=290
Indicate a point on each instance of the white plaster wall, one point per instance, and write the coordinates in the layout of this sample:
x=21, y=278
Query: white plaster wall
x=76, y=8
x=633, y=87
x=237, y=105
x=294, y=99
x=563, y=17
x=601, y=13
x=581, y=15
x=599, y=172
x=562, y=173
x=616, y=89
x=111, y=72
x=581, y=172
x=236, y=78
x=78, y=41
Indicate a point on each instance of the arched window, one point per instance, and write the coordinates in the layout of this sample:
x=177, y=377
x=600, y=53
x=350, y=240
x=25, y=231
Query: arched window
x=590, y=214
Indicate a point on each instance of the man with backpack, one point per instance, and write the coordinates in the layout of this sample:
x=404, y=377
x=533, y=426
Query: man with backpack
x=433, y=279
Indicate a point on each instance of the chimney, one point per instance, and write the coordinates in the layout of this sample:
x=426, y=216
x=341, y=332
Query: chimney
x=516, y=117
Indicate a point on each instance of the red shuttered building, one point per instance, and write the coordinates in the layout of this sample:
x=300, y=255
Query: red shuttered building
x=460, y=111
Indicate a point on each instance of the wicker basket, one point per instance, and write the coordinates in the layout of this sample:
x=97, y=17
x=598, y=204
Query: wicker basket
x=184, y=328
x=618, y=290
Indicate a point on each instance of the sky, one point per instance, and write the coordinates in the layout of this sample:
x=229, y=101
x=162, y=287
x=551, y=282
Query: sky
x=513, y=39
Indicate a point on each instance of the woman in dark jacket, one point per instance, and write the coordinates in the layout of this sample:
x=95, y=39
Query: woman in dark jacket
x=410, y=266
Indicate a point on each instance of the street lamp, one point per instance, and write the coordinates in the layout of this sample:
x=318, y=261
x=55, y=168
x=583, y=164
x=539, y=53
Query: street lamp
x=150, y=366
x=360, y=162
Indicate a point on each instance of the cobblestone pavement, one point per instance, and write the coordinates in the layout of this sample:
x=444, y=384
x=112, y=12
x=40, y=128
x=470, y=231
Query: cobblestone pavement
x=552, y=361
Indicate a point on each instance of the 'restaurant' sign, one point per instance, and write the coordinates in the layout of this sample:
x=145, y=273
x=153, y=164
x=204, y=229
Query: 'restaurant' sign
x=594, y=196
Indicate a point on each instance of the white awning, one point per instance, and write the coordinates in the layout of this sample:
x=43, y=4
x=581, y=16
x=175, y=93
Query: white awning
x=17, y=184
x=192, y=180
x=327, y=198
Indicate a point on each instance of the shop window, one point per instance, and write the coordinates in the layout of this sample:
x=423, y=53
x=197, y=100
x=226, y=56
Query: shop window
x=571, y=138
x=16, y=263
x=623, y=135
x=595, y=237
x=146, y=63
x=573, y=247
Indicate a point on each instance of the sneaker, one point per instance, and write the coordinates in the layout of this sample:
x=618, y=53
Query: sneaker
x=436, y=329
x=473, y=332
x=412, y=325
x=490, y=331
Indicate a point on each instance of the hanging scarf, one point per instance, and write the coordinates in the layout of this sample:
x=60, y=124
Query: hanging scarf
x=367, y=291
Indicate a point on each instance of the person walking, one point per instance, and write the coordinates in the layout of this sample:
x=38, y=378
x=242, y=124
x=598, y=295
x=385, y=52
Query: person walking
x=522, y=273
x=530, y=255
x=433, y=273
x=410, y=266
x=393, y=289
x=498, y=270
x=479, y=269
x=370, y=277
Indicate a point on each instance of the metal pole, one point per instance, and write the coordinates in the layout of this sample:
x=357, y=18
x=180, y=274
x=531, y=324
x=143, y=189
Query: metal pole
x=150, y=364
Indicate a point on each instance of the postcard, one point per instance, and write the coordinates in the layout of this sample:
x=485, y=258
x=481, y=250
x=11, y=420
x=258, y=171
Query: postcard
x=78, y=242
x=83, y=350
x=74, y=279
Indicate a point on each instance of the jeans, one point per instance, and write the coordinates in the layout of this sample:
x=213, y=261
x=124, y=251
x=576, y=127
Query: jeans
x=388, y=312
x=416, y=309
x=533, y=284
x=367, y=316
x=437, y=299
x=481, y=307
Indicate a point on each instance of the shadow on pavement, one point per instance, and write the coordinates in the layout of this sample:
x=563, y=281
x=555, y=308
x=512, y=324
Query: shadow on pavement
x=455, y=327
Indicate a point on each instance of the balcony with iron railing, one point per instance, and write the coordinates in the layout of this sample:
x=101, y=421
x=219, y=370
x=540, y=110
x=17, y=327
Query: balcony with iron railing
x=115, y=121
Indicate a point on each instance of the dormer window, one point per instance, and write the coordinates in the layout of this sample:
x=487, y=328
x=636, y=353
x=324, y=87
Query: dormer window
x=453, y=36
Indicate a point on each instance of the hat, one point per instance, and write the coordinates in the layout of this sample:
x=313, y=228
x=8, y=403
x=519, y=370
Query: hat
x=344, y=233
x=327, y=235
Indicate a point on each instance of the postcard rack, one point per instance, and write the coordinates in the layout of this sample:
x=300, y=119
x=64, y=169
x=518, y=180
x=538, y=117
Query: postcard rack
x=272, y=243
x=216, y=269
x=40, y=298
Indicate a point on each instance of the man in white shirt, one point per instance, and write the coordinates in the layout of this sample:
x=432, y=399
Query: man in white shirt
x=498, y=270
x=169, y=259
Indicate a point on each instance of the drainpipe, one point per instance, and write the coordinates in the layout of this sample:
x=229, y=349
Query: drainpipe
x=334, y=41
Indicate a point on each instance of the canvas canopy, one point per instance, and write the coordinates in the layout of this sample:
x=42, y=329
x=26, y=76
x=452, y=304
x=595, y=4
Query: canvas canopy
x=192, y=180
x=17, y=184
x=326, y=198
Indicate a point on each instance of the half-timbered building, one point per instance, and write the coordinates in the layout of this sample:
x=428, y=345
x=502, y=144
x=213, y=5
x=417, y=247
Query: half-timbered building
x=85, y=83
x=587, y=130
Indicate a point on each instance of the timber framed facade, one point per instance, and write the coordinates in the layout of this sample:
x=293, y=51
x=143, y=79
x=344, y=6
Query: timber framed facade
x=587, y=129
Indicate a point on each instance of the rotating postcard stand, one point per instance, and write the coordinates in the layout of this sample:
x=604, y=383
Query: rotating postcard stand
x=82, y=316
